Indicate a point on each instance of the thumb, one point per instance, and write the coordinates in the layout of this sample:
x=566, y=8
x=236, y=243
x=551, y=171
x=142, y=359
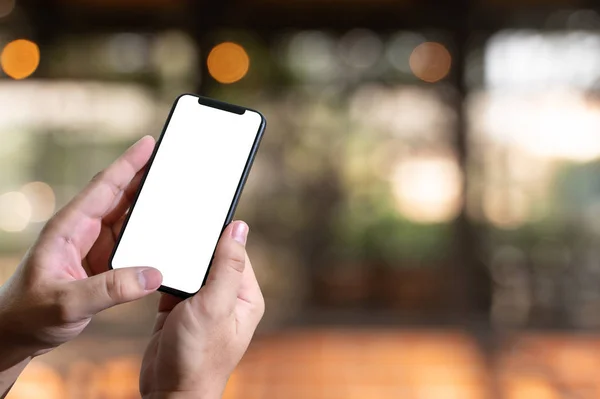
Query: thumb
x=114, y=287
x=220, y=293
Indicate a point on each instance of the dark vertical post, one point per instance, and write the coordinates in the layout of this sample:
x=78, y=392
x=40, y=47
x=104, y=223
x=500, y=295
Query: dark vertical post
x=204, y=18
x=46, y=24
x=46, y=27
x=473, y=285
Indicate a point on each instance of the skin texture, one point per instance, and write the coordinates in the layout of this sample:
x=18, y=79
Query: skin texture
x=64, y=280
x=197, y=343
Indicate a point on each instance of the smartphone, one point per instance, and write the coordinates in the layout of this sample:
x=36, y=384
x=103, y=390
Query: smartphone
x=190, y=191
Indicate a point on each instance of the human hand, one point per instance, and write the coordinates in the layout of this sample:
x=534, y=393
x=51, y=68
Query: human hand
x=197, y=342
x=64, y=278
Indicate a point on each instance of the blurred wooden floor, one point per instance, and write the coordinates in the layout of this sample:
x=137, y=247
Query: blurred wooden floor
x=345, y=363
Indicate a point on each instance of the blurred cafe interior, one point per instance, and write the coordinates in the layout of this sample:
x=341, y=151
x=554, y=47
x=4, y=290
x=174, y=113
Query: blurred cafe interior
x=424, y=209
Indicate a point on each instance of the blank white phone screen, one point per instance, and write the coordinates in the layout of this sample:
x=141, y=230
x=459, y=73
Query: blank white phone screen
x=181, y=209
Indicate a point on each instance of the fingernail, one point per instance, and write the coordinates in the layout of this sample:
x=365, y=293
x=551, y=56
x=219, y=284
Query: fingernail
x=240, y=232
x=150, y=279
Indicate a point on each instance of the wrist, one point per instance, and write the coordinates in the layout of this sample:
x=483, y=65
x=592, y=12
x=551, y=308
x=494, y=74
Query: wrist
x=13, y=348
x=14, y=357
x=12, y=352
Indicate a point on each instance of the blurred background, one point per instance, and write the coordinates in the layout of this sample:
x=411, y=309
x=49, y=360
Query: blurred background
x=425, y=207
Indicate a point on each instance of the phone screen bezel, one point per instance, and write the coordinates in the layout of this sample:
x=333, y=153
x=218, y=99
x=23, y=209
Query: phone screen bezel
x=209, y=102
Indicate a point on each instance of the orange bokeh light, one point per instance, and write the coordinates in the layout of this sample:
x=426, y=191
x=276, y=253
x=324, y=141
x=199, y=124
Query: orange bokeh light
x=228, y=62
x=20, y=58
x=430, y=61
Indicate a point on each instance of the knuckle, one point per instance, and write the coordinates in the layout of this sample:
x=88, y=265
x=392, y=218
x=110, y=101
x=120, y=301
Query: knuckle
x=234, y=257
x=103, y=178
x=116, y=288
x=53, y=224
x=208, y=308
x=236, y=263
x=64, y=307
x=98, y=176
x=260, y=307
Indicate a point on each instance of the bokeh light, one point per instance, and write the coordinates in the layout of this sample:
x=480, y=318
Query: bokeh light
x=42, y=200
x=399, y=49
x=174, y=55
x=430, y=61
x=538, y=122
x=78, y=107
x=428, y=189
x=311, y=55
x=407, y=112
x=127, y=52
x=583, y=19
x=20, y=58
x=6, y=7
x=360, y=48
x=505, y=208
x=228, y=62
x=530, y=61
x=15, y=212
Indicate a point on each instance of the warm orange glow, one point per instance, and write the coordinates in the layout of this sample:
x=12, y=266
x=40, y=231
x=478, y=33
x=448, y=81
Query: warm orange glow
x=530, y=388
x=228, y=62
x=408, y=363
x=20, y=58
x=84, y=380
x=38, y=381
x=232, y=390
x=120, y=378
x=430, y=62
x=428, y=189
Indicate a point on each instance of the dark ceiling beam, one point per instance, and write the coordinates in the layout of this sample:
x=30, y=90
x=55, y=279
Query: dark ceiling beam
x=272, y=17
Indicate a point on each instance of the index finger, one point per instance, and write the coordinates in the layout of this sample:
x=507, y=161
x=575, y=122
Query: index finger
x=80, y=221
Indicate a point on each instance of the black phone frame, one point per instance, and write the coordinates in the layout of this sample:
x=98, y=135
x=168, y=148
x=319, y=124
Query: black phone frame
x=210, y=102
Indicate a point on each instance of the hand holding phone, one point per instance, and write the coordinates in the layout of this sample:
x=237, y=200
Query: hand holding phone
x=197, y=343
x=190, y=191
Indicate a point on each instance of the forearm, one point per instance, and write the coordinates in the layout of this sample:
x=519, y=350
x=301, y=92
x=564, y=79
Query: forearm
x=13, y=360
x=9, y=373
x=15, y=355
